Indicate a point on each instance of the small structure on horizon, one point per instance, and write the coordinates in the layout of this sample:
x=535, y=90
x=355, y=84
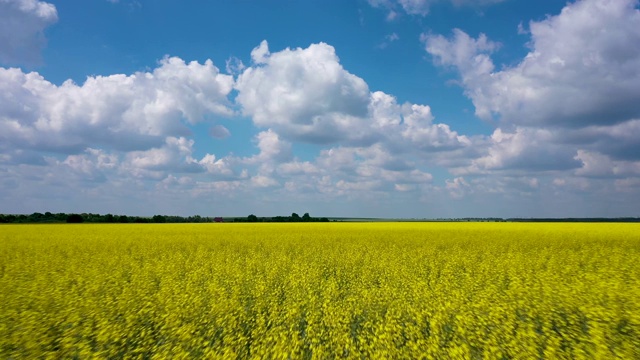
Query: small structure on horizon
x=218, y=219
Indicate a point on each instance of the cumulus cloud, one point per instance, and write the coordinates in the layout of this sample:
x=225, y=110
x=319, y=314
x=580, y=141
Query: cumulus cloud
x=525, y=149
x=22, y=25
x=457, y=187
x=302, y=93
x=175, y=155
x=373, y=165
x=234, y=66
x=595, y=164
x=92, y=164
x=470, y=56
x=571, y=104
x=306, y=95
x=410, y=127
x=138, y=125
x=583, y=68
x=272, y=149
x=124, y=112
x=619, y=141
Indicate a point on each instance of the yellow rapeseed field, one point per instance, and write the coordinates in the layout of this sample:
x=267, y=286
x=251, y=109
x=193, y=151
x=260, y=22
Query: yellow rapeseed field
x=317, y=291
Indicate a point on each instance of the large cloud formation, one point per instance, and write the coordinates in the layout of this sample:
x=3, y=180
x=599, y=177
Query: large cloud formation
x=119, y=111
x=306, y=95
x=22, y=24
x=573, y=98
x=583, y=68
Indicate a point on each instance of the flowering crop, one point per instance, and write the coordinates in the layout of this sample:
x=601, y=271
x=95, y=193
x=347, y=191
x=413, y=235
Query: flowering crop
x=372, y=290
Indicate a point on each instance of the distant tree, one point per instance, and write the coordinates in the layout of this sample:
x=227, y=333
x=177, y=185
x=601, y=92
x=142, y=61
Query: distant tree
x=295, y=217
x=194, y=219
x=109, y=218
x=324, y=219
x=306, y=217
x=75, y=218
x=252, y=218
x=159, y=219
x=123, y=219
x=61, y=217
x=36, y=217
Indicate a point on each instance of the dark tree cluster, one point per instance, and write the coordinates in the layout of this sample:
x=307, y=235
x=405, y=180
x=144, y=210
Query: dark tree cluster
x=98, y=218
x=293, y=218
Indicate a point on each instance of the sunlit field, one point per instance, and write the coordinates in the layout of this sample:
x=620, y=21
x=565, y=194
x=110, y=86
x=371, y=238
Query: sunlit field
x=374, y=290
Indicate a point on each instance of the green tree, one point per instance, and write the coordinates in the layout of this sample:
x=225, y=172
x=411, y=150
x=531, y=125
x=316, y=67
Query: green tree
x=75, y=218
x=252, y=218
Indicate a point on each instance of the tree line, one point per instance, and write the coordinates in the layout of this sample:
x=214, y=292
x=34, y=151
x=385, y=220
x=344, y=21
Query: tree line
x=98, y=218
x=49, y=217
x=293, y=218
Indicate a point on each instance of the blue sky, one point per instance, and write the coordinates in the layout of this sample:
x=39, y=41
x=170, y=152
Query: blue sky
x=368, y=108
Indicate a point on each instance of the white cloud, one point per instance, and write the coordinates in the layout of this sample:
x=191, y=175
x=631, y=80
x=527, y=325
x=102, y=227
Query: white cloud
x=570, y=106
x=302, y=93
x=619, y=141
x=370, y=164
x=22, y=25
x=175, y=155
x=272, y=149
x=260, y=54
x=410, y=127
x=224, y=168
x=457, y=187
x=219, y=132
x=468, y=55
x=298, y=168
x=404, y=187
x=525, y=149
x=92, y=164
x=595, y=164
x=234, y=66
x=123, y=112
x=262, y=181
x=305, y=95
x=583, y=68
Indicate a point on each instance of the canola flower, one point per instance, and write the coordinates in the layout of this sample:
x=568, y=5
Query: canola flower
x=317, y=291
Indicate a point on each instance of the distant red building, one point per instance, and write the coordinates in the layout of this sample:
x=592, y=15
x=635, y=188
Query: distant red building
x=218, y=219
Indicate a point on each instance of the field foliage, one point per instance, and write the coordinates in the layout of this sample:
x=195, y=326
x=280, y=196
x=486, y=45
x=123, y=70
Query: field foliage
x=375, y=290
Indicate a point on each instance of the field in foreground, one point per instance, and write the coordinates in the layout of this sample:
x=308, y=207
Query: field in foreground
x=381, y=290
